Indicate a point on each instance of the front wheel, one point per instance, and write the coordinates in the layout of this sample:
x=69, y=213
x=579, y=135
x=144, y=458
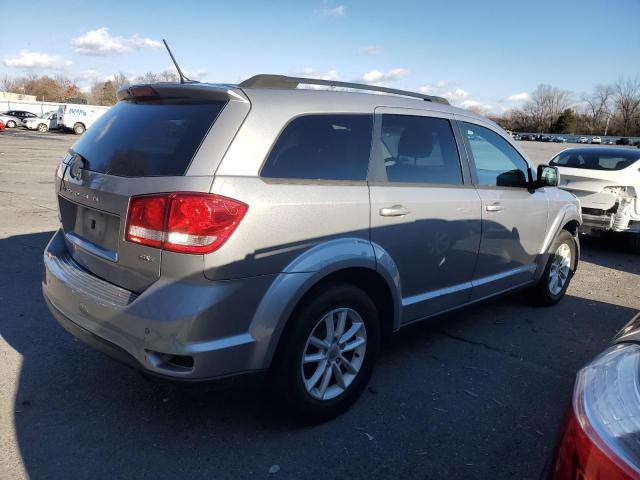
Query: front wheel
x=11, y=124
x=78, y=129
x=558, y=272
x=329, y=354
x=43, y=128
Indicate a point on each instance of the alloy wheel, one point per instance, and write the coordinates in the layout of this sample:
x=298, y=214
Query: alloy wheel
x=334, y=353
x=560, y=267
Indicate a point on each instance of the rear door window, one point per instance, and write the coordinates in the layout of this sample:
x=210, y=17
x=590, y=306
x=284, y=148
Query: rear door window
x=146, y=139
x=418, y=149
x=322, y=147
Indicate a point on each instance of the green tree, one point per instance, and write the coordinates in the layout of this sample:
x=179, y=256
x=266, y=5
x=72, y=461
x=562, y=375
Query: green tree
x=566, y=122
x=108, y=94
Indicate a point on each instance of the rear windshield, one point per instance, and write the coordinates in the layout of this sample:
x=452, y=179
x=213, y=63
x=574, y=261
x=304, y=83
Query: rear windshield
x=595, y=159
x=147, y=139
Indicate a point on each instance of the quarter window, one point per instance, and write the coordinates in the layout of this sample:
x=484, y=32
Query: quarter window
x=419, y=150
x=497, y=162
x=322, y=147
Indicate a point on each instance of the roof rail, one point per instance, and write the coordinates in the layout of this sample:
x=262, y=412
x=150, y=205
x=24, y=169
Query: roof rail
x=282, y=81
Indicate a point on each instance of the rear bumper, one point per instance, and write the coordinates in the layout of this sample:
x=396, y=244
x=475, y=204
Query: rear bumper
x=208, y=322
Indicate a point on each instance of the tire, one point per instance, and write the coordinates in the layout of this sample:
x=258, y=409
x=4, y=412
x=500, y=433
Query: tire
x=43, y=128
x=78, y=129
x=292, y=375
x=545, y=293
x=11, y=124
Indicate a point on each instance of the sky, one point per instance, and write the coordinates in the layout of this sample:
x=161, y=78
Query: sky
x=490, y=53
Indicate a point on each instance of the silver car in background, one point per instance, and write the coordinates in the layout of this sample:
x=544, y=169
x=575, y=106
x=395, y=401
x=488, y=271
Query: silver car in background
x=210, y=231
x=10, y=121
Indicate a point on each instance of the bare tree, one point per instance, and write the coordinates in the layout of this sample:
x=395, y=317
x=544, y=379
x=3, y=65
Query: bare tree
x=546, y=105
x=151, y=77
x=119, y=80
x=627, y=101
x=9, y=84
x=598, y=105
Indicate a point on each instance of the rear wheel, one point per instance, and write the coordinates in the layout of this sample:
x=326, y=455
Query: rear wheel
x=11, y=124
x=43, y=127
x=78, y=129
x=558, y=272
x=329, y=355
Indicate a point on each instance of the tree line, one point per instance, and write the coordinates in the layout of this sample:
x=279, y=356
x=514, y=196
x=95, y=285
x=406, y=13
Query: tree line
x=611, y=109
x=60, y=88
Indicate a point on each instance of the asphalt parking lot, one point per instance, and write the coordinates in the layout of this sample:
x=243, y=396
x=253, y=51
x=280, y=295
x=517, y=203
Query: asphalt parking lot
x=479, y=393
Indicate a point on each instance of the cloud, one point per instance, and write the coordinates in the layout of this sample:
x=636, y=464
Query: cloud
x=518, y=97
x=27, y=59
x=339, y=11
x=434, y=88
x=371, y=50
x=456, y=96
x=197, y=74
x=309, y=72
x=89, y=75
x=475, y=105
x=100, y=42
x=376, y=77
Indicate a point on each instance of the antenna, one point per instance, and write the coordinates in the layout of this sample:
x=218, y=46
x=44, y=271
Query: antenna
x=183, y=78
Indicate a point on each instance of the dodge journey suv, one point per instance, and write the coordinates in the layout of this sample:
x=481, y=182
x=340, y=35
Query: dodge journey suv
x=210, y=231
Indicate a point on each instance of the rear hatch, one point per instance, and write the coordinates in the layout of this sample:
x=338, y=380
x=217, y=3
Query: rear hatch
x=160, y=138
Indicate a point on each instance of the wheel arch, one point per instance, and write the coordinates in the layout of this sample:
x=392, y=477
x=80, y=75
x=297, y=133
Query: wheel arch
x=568, y=218
x=289, y=290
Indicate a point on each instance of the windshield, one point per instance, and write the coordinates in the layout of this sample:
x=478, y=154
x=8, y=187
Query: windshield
x=594, y=159
x=146, y=139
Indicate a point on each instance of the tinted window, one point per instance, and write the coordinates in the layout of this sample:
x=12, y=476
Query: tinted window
x=419, y=150
x=328, y=147
x=144, y=139
x=497, y=162
x=595, y=159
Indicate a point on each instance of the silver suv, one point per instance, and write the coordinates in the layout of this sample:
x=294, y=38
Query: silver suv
x=210, y=231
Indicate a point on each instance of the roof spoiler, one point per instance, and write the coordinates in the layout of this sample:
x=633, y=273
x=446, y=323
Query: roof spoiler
x=178, y=91
x=284, y=82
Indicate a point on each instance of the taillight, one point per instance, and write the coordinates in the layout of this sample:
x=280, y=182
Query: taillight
x=183, y=222
x=601, y=439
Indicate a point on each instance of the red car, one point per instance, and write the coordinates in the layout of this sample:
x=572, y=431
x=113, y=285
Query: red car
x=1, y=126
x=601, y=437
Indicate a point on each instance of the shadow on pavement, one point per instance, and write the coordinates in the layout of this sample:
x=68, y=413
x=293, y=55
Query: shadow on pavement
x=473, y=394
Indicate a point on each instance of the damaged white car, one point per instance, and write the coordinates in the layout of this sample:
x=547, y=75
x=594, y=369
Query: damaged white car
x=607, y=182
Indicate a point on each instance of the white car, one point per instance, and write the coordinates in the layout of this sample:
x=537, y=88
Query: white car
x=607, y=182
x=597, y=140
x=48, y=121
x=583, y=140
x=9, y=120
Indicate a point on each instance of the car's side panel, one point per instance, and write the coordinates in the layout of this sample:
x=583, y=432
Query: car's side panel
x=514, y=224
x=564, y=208
x=301, y=276
x=285, y=219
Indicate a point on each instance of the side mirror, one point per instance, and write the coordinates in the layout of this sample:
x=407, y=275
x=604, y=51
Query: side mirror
x=548, y=176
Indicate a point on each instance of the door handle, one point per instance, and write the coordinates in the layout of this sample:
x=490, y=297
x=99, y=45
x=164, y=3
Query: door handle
x=495, y=207
x=395, y=211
